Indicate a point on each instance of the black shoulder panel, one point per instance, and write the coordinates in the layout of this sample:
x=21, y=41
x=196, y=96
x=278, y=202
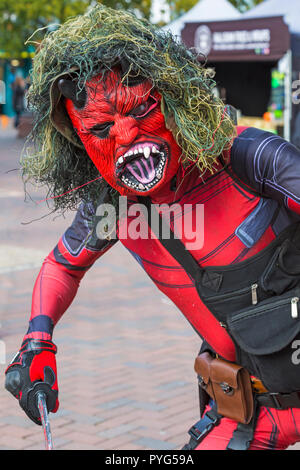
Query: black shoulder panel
x=267, y=163
x=82, y=232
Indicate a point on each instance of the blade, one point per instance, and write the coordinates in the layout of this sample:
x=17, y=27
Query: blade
x=42, y=406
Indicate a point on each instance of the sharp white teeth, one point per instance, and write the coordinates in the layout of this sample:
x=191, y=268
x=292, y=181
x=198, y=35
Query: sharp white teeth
x=154, y=149
x=140, y=150
x=120, y=160
x=136, y=152
x=130, y=153
x=147, y=152
x=141, y=186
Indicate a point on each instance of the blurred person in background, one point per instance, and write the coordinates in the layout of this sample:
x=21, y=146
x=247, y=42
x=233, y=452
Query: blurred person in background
x=19, y=89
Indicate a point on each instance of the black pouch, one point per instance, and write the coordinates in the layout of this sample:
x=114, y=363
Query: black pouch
x=262, y=315
x=267, y=338
x=283, y=271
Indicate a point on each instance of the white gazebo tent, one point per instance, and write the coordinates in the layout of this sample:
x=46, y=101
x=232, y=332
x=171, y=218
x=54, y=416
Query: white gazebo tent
x=204, y=10
x=289, y=9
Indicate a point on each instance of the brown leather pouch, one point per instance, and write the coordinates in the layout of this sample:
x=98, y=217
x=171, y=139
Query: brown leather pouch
x=228, y=384
x=203, y=367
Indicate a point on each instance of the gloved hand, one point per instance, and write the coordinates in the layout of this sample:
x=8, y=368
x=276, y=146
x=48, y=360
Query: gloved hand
x=33, y=369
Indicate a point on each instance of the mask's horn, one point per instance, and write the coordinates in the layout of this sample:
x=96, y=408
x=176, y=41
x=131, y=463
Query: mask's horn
x=69, y=89
x=124, y=65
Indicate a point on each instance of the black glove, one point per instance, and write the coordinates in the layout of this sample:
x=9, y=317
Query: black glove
x=33, y=369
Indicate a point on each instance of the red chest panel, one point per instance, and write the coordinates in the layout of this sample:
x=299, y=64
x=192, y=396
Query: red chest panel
x=224, y=207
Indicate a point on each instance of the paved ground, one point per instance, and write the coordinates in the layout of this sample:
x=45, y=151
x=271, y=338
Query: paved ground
x=125, y=360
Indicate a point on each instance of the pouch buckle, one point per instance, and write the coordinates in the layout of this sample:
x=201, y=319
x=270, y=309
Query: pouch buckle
x=201, y=382
x=226, y=388
x=204, y=426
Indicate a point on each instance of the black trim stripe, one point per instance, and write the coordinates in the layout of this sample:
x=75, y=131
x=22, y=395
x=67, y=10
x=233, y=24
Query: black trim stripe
x=59, y=258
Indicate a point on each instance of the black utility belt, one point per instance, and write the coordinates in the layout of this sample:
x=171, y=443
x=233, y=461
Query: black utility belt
x=279, y=401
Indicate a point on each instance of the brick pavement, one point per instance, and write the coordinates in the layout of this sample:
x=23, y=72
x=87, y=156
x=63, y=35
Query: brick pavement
x=125, y=360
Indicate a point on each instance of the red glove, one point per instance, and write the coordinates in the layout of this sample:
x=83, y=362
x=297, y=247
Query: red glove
x=33, y=369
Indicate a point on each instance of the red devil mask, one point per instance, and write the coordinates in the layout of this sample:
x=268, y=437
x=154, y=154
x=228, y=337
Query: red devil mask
x=123, y=131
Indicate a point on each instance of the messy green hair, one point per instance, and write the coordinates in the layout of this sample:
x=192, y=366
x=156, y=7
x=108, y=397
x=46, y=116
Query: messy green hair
x=94, y=42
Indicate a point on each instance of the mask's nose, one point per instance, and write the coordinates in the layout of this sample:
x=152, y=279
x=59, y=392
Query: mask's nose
x=124, y=131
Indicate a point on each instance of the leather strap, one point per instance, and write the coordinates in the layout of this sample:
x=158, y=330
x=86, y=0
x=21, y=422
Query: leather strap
x=172, y=244
x=243, y=434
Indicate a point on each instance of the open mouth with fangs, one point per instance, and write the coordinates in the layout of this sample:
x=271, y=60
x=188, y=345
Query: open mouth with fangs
x=142, y=166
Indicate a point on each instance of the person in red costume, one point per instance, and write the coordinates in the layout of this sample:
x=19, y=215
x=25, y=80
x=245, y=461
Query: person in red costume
x=227, y=288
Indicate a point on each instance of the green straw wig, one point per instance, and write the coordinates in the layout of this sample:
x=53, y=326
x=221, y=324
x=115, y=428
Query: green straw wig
x=97, y=41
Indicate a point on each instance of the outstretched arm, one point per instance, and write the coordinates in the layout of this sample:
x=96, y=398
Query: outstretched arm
x=33, y=368
x=268, y=164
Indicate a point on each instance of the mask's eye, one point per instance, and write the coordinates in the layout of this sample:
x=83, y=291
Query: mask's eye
x=101, y=130
x=144, y=108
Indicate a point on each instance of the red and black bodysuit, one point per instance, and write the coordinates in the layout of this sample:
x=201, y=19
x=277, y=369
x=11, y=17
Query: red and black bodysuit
x=247, y=204
x=251, y=198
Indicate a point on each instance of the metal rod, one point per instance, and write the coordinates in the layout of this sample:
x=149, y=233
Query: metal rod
x=42, y=406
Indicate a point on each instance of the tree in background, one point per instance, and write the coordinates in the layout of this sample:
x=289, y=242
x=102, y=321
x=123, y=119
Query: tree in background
x=244, y=5
x=20, y=18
